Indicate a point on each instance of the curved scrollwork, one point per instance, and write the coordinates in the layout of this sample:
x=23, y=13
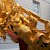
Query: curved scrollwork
x=24, y=23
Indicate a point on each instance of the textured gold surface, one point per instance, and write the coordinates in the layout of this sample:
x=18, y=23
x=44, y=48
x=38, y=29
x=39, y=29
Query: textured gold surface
x=24, y=23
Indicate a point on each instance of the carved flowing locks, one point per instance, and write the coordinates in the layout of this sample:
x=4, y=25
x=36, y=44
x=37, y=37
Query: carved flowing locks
x=23, y=22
